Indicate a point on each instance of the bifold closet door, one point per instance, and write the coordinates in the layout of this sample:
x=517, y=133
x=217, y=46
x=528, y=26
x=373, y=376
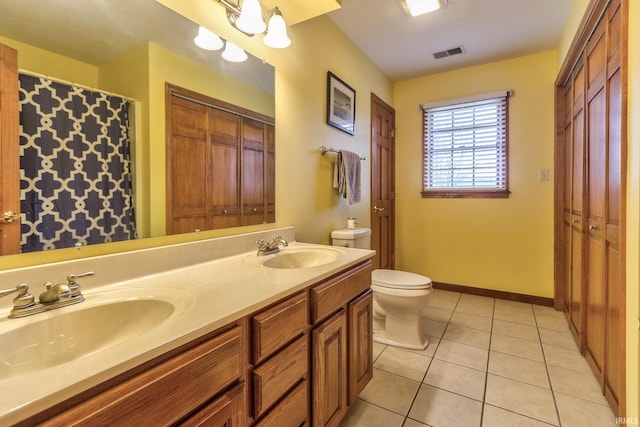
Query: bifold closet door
x=596, y=191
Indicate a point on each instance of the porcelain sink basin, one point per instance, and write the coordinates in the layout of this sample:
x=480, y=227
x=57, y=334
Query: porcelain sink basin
x=49, y=339
x=302, y=258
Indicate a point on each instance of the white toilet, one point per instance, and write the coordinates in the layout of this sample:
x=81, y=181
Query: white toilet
x=398, y=297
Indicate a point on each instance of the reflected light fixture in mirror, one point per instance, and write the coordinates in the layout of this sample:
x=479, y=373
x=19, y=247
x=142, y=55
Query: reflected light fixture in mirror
x=248, y=19
x=233, y=53
x=207, y=40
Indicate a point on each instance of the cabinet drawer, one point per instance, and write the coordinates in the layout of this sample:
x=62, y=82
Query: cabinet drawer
x=291, y=411
x=276, y=376
x=277, y=326
x=330, y=296
x=167, y=392
x=227, y=410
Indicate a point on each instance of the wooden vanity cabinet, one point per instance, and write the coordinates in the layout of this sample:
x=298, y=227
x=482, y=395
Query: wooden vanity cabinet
x=198, y=386
x=280, y=363
x=342, y=340
x=298, y=362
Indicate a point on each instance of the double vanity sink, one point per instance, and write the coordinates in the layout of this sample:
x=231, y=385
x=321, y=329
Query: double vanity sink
x=126, y=321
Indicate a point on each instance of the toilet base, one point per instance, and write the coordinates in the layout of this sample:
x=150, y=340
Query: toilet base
x=380, y=337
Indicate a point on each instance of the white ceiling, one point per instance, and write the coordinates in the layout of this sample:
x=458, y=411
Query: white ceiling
x=489, y=30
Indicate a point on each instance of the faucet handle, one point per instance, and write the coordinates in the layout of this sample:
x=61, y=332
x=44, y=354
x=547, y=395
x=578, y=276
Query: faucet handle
x=74, y=287
x=72, y=278
x=24, y=298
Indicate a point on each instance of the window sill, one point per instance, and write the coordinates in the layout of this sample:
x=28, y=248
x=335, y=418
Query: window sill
x=465, y=194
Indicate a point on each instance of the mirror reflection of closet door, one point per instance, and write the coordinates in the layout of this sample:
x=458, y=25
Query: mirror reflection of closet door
x=9, y=153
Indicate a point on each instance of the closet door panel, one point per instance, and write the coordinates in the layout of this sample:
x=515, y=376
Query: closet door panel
x=253, y=166
x=224, y=136
x=596, y=191
x=187, y=201
x=577, y=181
x=615, y=330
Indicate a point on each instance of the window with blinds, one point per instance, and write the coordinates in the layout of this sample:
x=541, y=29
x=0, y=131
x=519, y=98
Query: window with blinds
x=465, y=149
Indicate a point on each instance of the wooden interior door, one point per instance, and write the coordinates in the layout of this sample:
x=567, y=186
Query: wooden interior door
x=9, y=153
x=382, y=183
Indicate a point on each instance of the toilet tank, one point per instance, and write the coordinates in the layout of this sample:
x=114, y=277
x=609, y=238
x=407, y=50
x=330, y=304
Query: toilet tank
x=352, y=238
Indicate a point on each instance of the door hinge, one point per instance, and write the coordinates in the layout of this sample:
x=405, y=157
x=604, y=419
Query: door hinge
x=392, y=195
x=393, y=133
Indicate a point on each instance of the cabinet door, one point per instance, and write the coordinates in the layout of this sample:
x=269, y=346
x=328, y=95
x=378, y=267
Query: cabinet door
x=360, y=344
x=330, y=371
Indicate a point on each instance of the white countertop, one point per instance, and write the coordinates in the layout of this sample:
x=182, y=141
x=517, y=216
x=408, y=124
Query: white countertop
x=207, y=296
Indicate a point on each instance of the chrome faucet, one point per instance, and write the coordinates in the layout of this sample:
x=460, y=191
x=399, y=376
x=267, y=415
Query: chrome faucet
x=55, y=296
x=266, y=248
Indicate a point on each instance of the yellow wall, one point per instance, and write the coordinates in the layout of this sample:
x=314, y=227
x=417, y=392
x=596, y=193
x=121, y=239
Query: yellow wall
x=573, y=22
x=40, y=61
x=500, y=244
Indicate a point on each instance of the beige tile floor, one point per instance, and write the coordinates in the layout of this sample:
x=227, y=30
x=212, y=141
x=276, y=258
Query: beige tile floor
x=489, y=363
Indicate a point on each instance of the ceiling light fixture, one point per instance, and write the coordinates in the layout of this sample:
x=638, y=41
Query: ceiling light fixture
x=249, y=19
x=420, y=7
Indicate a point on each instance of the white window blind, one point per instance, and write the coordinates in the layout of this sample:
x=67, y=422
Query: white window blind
x=466, y=146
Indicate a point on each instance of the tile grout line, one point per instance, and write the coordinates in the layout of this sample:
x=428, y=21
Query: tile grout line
x=415, y=396
x=486, y=374
x=546, y=368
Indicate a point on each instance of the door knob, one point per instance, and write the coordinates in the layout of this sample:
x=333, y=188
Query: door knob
x=377, y=209
x=9, y=216
x=593, y=227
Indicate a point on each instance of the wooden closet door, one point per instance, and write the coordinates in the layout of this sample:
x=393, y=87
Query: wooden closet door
x=615, y=311
x=596, y=192
x=577, y=186
x=188, y=163
x=224, y=152
x=566, y=155
x=253, y=167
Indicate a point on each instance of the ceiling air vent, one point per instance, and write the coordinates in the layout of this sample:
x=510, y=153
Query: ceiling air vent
x=449, y=52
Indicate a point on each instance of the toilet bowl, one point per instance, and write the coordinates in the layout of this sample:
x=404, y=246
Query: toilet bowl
x=398, y=297
x=398, y=300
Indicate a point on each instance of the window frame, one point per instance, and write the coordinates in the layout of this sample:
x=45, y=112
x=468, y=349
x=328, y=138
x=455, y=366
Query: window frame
x=470, y=192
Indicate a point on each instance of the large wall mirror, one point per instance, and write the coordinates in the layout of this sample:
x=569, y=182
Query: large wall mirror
x=131, y=50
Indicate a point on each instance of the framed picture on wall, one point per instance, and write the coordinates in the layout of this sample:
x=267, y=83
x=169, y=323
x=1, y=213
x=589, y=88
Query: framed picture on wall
x=341, y=104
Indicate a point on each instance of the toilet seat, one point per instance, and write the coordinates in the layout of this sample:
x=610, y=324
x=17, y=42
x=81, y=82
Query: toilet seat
x=395, y=279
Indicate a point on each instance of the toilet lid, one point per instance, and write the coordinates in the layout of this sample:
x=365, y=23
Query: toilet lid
x=399, y=279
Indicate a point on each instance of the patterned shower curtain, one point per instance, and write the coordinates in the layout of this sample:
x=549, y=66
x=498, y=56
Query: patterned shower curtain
x=75, y=166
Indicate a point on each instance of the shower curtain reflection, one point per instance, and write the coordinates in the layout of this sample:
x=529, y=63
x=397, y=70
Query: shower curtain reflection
x=75, y=166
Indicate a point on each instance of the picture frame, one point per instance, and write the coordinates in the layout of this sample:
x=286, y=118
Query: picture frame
x=341, y=104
